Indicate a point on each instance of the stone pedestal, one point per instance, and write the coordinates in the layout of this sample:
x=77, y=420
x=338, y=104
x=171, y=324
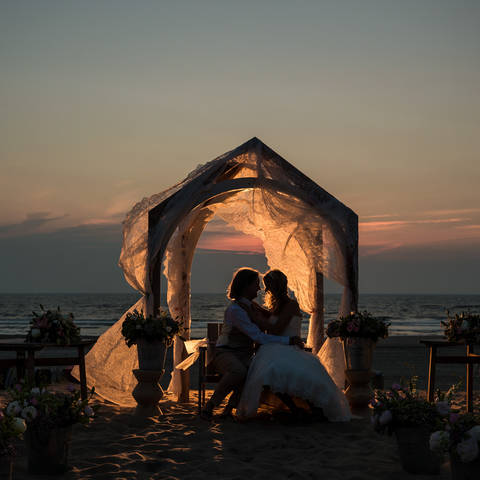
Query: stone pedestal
x=148, y=392
x=359, y=392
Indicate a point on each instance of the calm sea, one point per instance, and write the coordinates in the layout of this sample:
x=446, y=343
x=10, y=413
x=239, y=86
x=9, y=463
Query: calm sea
x=94, y=313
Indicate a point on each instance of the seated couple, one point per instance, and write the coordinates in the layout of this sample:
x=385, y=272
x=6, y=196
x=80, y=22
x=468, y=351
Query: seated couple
x=280, y=364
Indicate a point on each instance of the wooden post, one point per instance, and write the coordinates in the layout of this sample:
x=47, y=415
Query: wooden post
x=469, y=379
x=156, y=285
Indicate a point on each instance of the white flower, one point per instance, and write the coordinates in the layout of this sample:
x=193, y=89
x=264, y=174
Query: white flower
x=443, y=408
x=168, y=329
x=29, y=413
x=467, y=450
x=35, y=391
x=439, y=441
x=19, y=425
x=385, y=417
x=474, y=432
x=88, y=411
x=13, y=408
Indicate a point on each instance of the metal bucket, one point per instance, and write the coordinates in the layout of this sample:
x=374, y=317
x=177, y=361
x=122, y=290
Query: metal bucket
x=464, y=471
x=415, y=453
x=358, y=353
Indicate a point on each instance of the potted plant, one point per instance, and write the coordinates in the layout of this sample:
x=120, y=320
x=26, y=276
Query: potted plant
x=152, y=335
x=403, y=411
x=462, y=328
x=460, y=437
x=359, y=331
x=49, y=417
x=51, y=326
x=11, y=428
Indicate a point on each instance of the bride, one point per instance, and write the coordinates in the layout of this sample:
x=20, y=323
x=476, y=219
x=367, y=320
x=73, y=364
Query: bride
x=286, y=370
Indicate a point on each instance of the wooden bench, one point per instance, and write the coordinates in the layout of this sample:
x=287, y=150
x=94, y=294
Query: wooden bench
x=469, y=359
x=206, y=371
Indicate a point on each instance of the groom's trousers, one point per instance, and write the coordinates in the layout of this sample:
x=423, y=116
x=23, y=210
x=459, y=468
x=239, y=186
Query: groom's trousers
x=233, y=366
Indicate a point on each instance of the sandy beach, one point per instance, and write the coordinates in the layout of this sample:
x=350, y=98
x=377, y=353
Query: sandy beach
x=179, y=445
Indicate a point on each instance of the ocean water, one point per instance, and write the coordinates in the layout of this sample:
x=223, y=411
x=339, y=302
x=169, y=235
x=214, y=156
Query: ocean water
x=94, y=313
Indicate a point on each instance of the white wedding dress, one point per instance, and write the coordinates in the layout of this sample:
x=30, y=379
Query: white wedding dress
x=288, y=369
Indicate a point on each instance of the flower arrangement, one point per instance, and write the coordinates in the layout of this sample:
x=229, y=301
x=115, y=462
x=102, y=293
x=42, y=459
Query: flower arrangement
x=459, y=435
x=358, y=324
x=45, y=410
x=51, y=326
x=463, y=327
x=161, y=328
x=11, y=427
x=404, y=407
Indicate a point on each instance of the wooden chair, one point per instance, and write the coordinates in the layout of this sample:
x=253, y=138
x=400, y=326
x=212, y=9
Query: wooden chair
x=206, y=371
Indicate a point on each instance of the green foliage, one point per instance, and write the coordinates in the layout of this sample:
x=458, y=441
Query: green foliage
x=162, y=328
x=51, y=326
x=358, y=324
x=462, y=328
x=404, y=407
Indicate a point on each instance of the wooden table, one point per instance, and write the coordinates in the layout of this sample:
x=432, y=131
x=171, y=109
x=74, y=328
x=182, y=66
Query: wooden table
x=469, y=359
x=31, y=361
x=25, y=358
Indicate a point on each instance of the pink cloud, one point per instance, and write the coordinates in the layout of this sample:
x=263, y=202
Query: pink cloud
x=233, y=242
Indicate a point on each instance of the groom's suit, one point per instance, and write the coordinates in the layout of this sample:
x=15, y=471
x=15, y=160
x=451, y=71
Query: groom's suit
x=234, y=349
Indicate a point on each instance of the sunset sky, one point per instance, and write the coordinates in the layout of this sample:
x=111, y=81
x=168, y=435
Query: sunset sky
x=106, y=102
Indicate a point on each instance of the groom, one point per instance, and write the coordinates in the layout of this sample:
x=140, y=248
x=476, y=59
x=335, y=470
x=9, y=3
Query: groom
x=235, y=345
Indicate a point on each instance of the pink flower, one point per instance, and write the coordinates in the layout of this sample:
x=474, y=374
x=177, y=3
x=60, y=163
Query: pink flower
x=349, y=327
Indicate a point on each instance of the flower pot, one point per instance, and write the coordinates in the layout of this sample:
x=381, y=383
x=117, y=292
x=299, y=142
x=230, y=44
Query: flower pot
x=151, y=355
x=464, y=471
x=47, y=450
x=415, y=453
x=6, y=467
x=358, y=353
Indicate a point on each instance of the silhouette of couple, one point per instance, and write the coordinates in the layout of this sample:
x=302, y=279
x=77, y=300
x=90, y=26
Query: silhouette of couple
x=280, y=363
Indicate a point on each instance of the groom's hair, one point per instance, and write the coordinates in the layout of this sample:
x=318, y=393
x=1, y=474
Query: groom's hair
x=241, y=278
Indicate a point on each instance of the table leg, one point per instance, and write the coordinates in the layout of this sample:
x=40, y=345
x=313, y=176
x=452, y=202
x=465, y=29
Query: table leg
x=469, y=380
x=20, y=365
x=431, y=372
x=30, y=366
x=83, y=373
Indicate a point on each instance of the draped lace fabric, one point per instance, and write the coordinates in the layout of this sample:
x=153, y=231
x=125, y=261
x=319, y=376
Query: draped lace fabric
x=306, y=232
x=110, y=362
